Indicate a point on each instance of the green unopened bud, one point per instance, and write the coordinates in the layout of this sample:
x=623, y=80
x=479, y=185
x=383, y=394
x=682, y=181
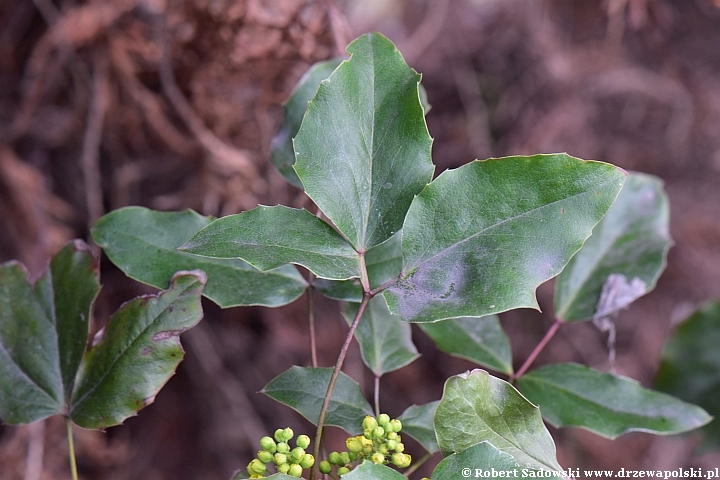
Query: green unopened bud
x=369, y=423
x=297, y=454
x=368, y=434
x=288, y=434
x=343, y=470
x=353, y=456
x=283, y=468
x=391, y=444
x=295, y=470
x=335, y=458
x=280, y=459
x=265, y=456
x=345, y=456
x=368, y=448
x=283, y=447
x=400, y=447
x=307, y=461
x=354, y=444
x=379, y=432
x=303, y=441
x=256, y=466
x=279, y=435
x=378, y=458
x=383, y=418
x=383, y=449
x=396, y=425
x=392, y=436
x=268, y=444
x=325, y=467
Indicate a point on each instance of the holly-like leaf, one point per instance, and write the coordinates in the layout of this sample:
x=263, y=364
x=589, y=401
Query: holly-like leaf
x=303, y=389
x=385, y=340
x=368, y=470
x=144, y=244
x=43, y=332
x=67, y=291
x=268, y=237
x=282, y=152
x=690, y=365
x=609, y=405
x=478, y=407
x=383, y=263
x=631, y=240
x=363, y=149
x=137, y=352
x=480, y=340
x=485, y=458
x=418, y=422
x=481, y=238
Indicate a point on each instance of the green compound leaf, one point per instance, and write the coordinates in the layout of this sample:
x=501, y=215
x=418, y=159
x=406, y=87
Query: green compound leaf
x=303, y=389
x=481, y=460
x=385, y=340
x=363, y=150
x=43, y=332
x=631, y=240
x=690, y=365
x=136, y=353
x=371, y=471
x=480, y=340
x=478, y=407
x=268, y=237
x=282, y=152
x=481, y=238
x=143, y=244
x=418, y=422
x=383, y=263
x=608, y=405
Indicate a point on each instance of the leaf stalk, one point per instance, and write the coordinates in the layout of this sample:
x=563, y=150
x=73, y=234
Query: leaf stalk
x=336, y=374
x=536, y=351
x=71, y=449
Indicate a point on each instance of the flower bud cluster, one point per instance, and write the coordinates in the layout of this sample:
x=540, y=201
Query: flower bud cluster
x=277, y=451
x=379, y=443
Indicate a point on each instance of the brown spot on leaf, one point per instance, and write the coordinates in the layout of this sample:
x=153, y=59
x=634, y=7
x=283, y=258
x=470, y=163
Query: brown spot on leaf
x=167, y=334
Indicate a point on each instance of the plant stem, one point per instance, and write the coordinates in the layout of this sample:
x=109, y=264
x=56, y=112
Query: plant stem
x=71, y=449
x=536, y=351
x=334, y=377
x=377, y=395
x=311, y=326
x=384, y=286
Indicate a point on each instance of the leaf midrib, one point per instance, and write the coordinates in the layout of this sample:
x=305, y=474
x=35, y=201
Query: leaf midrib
x=197, y=258
x=513, y=442
x=562, y=388
x=124, y=352
x=425, y=260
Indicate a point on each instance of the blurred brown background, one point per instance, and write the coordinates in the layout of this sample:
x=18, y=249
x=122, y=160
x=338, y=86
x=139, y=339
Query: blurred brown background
x=172, y=104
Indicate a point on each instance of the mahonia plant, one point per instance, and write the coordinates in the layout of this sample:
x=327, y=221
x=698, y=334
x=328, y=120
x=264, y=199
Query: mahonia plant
x=277, y=451
x=380, y=444
x=398, y=247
